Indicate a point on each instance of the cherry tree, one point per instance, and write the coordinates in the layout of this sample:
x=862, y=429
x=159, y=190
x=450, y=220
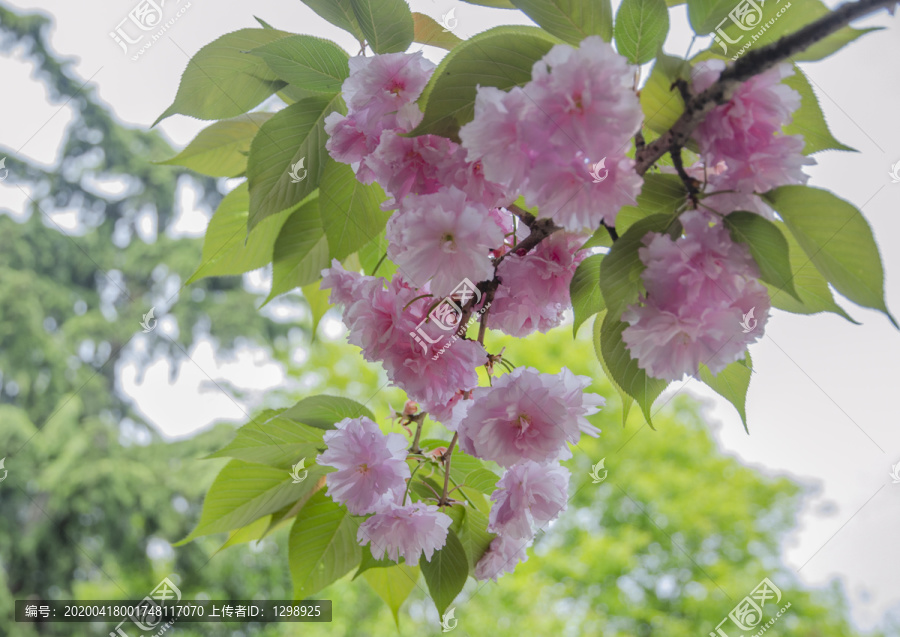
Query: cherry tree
x=534, y=172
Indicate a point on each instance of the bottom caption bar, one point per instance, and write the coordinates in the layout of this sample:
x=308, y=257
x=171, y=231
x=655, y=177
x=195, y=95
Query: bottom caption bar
x=150, y=615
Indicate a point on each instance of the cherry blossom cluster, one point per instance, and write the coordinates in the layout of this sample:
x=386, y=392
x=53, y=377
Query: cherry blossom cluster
x=699, y=288
x=454, y=220
x=704, y=303
x=742, y=149
x=371, y=477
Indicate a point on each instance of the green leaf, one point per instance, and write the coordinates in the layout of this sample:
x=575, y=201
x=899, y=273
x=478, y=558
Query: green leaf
x=324, y=411
x=620, y=270
x=275, y=440
x=570, y=20
x=627, y=400
x=351, y=211
x=706, y=15
x=661, y=103
x=837, y=239
x=387, y=24
x=368, y=562
x=295, y=134
x=497, y=4
x=811, y=286
x=317, y=299
x=322, y=546
x=227, y=249
x=771, y=22
x=314, y=64
x=446, y=573
x=244, y=492
x=808, y=120
x=393, y=585
x=427, y=31
x=732, y=384
x=480, y=479
x=624, y=369
x=372, y=253
x=767, y=245
x=500, y=57
x=222, y=81
x=584, y=290
x=220, y=149
x=301, y=251
x=473, y=534
x=660, y=194
x=253, y=531
x=339, y=13
x=641, y=28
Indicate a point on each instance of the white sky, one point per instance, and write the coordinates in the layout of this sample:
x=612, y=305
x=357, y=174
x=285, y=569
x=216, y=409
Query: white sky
x=822, y=405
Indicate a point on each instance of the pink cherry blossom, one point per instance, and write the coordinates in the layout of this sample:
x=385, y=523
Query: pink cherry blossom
x=501, y=557
x=497, y=135
x=405, y=531
x=370, y=465
x=442, y=237
x=579, y=110
x=384, y=323
x=528, y=494
x=699, y=288
x=746, y=134
x=535, y=287
x=404, y=165
x=527, y=415
x=384, y=83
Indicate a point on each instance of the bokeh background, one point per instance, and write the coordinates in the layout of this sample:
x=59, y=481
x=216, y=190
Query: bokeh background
x=104, y=428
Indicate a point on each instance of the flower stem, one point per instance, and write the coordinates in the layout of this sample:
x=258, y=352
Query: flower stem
x=446, y=457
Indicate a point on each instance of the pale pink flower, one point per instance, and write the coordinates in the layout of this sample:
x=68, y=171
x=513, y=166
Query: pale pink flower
x=745, y=134
x=343, y=284
x=535, y=287
x=384, y=83
x=528, y=494
x=699, y=288
x=497, y=135
x=562, y=188
x=527, y=415
x=442, y=237
x=586, y=98
x=384, y=324
x=578, y=110
x=405, y=531
x=501, y=557
x=451, y=412
x=403, y=165
x=370, y=465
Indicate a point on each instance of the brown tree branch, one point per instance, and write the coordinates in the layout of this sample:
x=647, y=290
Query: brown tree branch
x=754, y=63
